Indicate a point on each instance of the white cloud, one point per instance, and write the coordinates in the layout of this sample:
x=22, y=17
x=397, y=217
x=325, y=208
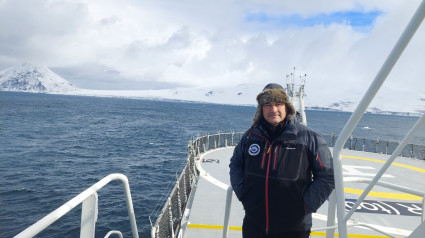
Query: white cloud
x=165, y=44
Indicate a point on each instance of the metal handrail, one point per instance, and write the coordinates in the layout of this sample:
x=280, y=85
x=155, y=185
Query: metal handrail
x=118, y=233
x=229, y=196
x=81, y=198
x=389, y=63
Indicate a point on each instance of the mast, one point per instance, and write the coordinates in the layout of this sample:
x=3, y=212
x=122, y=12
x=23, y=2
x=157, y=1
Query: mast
x=296, y=93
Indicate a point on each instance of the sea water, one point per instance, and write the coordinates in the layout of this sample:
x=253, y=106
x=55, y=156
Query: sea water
x=53, y=147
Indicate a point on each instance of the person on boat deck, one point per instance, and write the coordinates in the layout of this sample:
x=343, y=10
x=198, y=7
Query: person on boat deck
x=281, y=170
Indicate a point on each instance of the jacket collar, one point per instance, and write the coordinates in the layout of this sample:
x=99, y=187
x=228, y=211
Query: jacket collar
x=285, y=131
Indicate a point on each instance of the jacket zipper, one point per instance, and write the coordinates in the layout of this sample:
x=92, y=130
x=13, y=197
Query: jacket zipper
x=267, y=188
x=267, y=150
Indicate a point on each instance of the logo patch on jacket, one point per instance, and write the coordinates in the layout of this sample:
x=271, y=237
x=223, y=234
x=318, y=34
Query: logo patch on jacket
x=254, y=149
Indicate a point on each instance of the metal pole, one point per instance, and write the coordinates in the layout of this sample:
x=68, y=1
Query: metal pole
x=89, y=212
x=229, y=195
x=331, y=215
x=153, y=232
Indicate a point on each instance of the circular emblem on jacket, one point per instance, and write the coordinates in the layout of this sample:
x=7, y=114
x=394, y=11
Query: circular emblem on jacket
x=254, y=149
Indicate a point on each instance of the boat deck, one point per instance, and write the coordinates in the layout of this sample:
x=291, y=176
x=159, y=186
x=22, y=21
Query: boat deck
x=394, y=212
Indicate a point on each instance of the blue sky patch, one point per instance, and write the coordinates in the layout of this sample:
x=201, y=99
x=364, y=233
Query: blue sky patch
x=352, y=18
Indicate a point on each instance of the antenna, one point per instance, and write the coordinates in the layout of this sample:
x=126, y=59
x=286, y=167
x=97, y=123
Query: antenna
x=296, y=92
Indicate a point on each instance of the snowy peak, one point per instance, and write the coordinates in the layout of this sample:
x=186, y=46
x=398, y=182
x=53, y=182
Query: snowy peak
x=32, y=78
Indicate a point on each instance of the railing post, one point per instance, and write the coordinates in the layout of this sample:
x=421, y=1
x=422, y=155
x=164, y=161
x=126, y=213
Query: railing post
x=233, y=139
x=184, y=184
x=154, y=232
x=387, y=148
x=331, y=215
x=376, y=145
x=170, y=214
x=229, y=195
x=193, y=169
x=208, y=141
x=89, y=216
x=197, y=149
x=179, y=203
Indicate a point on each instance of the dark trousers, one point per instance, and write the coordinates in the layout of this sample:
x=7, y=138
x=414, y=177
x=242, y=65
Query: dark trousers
x=250, y=230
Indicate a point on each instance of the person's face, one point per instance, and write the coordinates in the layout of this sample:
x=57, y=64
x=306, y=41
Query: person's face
x=274, y=113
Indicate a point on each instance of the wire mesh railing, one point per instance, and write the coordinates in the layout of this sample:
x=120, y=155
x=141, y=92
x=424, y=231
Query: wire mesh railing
x=378, y=146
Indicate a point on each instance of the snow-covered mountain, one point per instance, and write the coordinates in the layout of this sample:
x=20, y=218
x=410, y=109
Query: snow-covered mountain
x=32, y=78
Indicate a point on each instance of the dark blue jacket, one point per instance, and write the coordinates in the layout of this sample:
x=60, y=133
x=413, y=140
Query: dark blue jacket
x=282, y=179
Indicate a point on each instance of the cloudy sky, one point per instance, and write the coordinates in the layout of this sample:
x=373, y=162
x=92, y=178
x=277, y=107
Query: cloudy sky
x=161, y=44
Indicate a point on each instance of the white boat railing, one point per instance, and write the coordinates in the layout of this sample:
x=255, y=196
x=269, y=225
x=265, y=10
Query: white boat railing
x=389, y=63
x=89, y=201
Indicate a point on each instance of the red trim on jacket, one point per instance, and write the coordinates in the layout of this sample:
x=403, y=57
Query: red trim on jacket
x=320, y=161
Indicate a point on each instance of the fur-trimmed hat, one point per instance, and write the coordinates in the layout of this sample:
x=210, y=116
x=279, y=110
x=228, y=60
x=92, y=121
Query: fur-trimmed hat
x=273, y=92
